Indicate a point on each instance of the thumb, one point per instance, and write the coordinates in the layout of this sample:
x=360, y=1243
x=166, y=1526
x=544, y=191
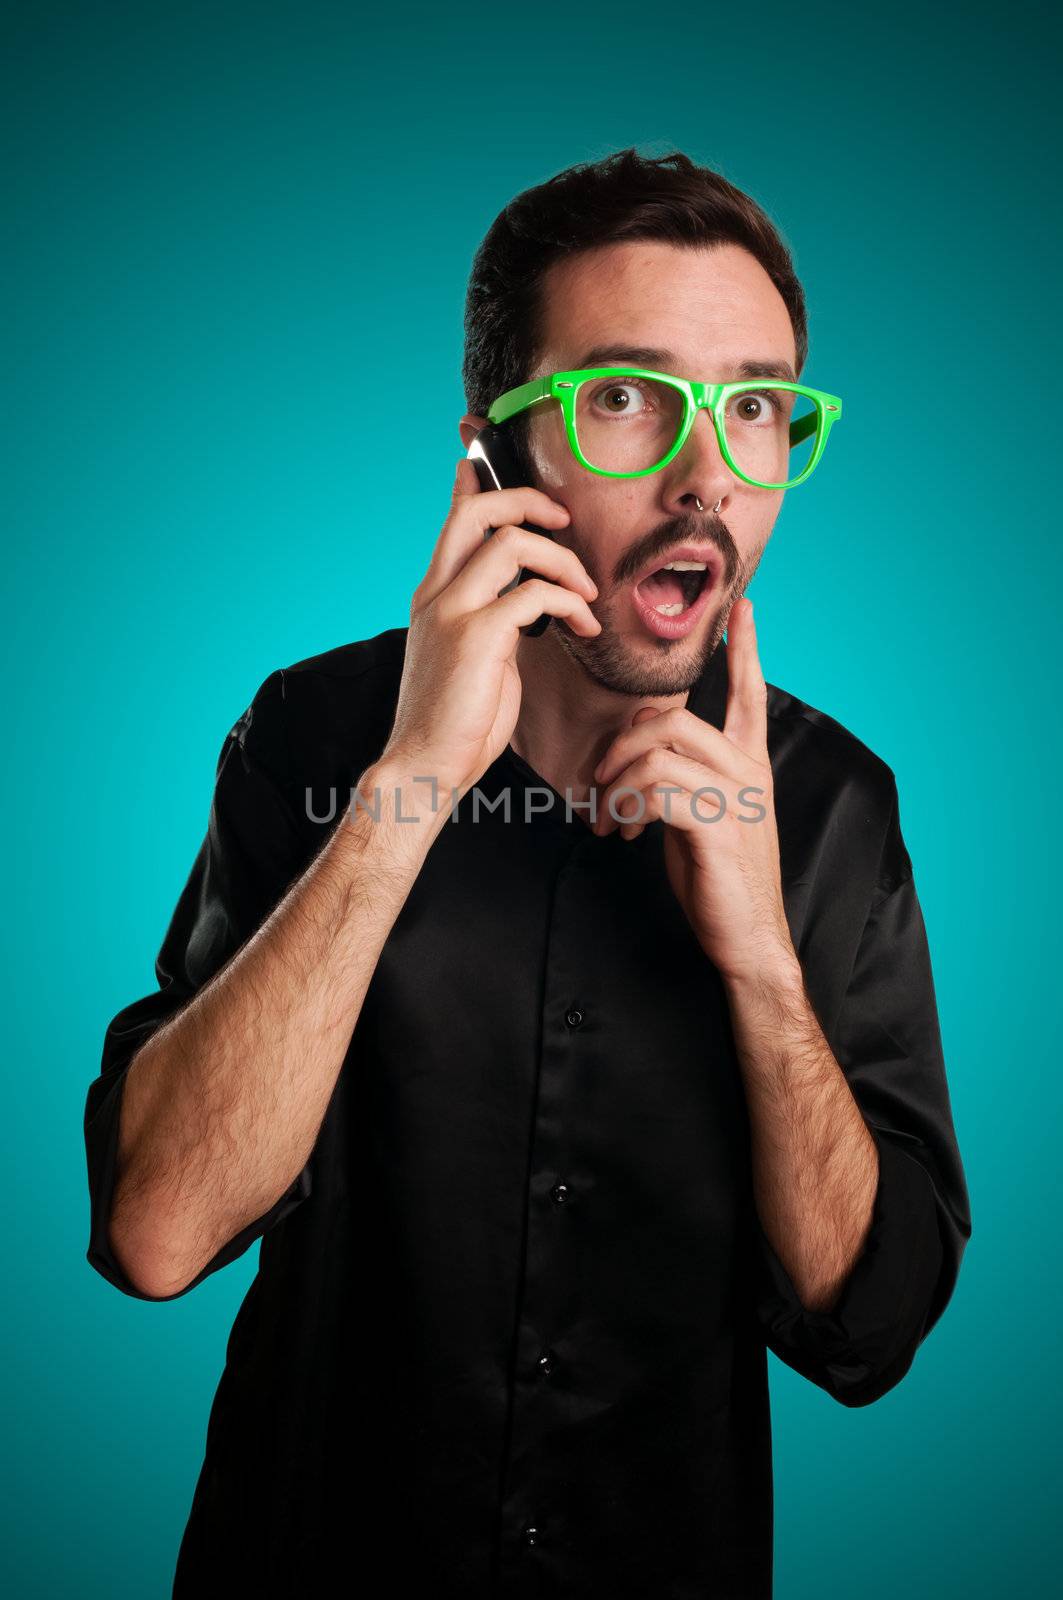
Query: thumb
x=644, y=713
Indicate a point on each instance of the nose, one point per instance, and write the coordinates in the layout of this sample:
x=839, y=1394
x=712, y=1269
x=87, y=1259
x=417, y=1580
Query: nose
x=698, y=472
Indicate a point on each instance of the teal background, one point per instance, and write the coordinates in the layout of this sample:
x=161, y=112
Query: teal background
x=224, y=223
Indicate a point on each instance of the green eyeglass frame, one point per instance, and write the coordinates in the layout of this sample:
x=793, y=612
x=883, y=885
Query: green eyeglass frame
x=710, y=397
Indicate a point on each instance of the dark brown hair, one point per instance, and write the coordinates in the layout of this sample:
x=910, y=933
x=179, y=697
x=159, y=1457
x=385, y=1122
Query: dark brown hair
x=623, y=196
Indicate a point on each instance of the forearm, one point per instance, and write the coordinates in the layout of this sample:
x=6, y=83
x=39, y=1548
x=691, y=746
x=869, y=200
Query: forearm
x=814, y=1162
x=221, y=1108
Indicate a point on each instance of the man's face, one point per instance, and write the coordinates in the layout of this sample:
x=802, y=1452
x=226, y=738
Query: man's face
x=707, y=311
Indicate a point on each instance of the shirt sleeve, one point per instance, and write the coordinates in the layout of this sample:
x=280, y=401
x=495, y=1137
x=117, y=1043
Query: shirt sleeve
x=246, y=862
x=886, y=1038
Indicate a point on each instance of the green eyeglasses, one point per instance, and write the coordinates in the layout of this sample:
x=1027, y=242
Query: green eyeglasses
x=626, y=422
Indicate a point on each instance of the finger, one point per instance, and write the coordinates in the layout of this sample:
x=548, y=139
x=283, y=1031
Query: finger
x=474, y=512
x=466, y=480
x=678, y=729
x=643, y=714
x=498, y=562
x=746, y=720
x=530, y=600
x=702, y=792
x=688, y=811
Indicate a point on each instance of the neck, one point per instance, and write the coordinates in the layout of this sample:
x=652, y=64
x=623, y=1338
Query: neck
x=567, y=721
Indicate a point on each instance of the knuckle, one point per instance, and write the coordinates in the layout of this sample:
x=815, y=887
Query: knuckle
x=444, y=610
x=466, y=628
x=469, y=633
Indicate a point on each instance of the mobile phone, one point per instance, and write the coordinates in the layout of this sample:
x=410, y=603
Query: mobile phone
x=498, y=467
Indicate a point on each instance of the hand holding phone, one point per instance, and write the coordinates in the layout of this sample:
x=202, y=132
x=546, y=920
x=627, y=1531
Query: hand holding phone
x=460, y=691
x=498, y=467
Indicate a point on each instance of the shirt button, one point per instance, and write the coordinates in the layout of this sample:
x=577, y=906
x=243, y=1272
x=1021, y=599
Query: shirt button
x=547, y=1362
x=574, y=1018
x=530, y=1536
x=560, y=1193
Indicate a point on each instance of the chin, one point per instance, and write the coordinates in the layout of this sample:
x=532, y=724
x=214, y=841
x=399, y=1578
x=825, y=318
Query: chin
x=627, y=664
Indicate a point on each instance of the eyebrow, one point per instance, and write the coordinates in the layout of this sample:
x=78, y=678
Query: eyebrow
x=645, y=355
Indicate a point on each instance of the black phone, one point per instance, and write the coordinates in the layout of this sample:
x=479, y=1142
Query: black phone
x=498, y=466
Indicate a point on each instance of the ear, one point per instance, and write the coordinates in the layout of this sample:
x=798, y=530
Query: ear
x=469, y=427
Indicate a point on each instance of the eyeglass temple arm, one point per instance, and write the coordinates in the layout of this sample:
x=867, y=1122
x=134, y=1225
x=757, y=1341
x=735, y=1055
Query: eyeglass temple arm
x=507, y=405
x=801, y=429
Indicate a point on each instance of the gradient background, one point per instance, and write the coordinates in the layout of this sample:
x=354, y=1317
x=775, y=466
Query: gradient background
x=224, y=222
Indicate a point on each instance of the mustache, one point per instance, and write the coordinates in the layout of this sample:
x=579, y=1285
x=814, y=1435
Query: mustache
x=708, y=529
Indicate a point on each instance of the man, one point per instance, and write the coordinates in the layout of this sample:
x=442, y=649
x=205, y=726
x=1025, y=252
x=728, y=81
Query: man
x=593, y=1047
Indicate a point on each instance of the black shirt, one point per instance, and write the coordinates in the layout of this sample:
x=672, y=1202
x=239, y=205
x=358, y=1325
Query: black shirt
x=507, y=1335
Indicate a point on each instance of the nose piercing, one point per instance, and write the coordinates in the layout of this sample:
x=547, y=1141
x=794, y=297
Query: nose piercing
x=716, y=507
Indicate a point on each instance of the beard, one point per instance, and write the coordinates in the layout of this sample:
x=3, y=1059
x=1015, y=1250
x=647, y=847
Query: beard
x=652, y=666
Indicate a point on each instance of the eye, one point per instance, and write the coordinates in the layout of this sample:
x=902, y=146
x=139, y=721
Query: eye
x=621, y=399
x=758, y=406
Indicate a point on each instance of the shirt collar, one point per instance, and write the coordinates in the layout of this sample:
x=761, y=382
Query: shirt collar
x=708, y=698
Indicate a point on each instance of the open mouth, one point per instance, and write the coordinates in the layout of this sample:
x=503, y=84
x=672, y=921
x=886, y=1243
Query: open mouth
x=671, y=590
x=672, y=597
